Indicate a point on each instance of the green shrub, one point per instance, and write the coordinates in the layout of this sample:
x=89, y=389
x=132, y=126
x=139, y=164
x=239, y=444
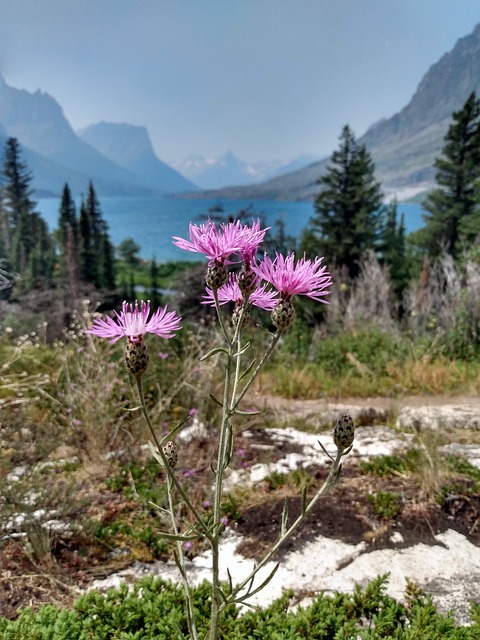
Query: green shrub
x=153, y=610
x=388, y=465
x=385, y=504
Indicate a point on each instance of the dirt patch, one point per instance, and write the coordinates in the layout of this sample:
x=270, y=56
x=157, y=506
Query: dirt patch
x=347, y=513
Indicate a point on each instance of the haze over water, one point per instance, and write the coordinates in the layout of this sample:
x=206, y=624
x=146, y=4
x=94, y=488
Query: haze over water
x=152, y=222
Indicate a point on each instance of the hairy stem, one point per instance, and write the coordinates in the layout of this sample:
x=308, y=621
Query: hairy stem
x=330, y=480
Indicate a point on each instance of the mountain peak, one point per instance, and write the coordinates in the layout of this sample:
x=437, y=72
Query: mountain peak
x=130, y=146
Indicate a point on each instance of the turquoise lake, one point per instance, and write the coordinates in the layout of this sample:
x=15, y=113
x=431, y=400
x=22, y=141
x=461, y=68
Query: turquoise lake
x=152, y=222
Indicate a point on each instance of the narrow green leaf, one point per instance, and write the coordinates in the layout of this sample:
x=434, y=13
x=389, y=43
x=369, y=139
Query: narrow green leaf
x=284, y=518
x=304, y=500
x=172, y=536
x=261, y=586
x=248, y=369
x=239, y=412
x=214, y=352
x=325, y=451
x=242, y=350
x=216, y=400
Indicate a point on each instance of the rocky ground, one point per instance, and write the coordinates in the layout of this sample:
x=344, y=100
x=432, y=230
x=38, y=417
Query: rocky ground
x=346, y=540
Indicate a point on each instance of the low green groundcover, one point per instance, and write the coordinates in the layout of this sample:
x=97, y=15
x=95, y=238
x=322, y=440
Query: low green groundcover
x=153, y=610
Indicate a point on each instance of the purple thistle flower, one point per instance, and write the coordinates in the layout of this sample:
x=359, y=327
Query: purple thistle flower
x=230, y=292
x=217, y=244
x=291, y=278
x=133, y=323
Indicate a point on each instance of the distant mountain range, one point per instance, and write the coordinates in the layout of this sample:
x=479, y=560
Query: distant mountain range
x=55, y=154
x=208, y=173
x=120, y=160
x=404, y=147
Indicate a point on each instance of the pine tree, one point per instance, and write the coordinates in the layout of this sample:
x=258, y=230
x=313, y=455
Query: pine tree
x=86, y=254
x=67, y=238
x=393, y=248
x=348, y=208
x=41, y=260
x=453, y=218
x=17, y=205
x=25, y=237
x=96, y=252
x=106, y=272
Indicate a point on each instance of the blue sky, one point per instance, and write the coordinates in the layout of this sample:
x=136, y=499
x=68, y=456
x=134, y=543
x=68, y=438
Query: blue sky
x=267, y=79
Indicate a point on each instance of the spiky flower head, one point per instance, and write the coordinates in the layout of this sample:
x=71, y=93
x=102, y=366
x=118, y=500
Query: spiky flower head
x=133, y=323
x=171, y=453
x=231, y=292
x=344, y=432
x=218, y=244
x=292, y=277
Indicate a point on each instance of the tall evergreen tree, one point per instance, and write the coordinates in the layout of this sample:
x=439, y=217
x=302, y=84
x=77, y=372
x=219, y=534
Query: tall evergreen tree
x=86, y=253
x=453, y=217
x=393, y=248
x=41, y=260
x=25, y=237
x=96, y=252
x=17, y=203
x=67, y=238
x=348, y=208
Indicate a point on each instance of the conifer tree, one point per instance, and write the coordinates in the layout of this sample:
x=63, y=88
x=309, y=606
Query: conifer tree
x=86, y=253
x=25, y=237
x=453, y=218
x=17, y=203
x=348, y=208
x=67, y=238
x=393, y=248
x=96, y=252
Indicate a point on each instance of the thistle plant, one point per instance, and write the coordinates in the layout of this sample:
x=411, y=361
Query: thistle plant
x=233, y=275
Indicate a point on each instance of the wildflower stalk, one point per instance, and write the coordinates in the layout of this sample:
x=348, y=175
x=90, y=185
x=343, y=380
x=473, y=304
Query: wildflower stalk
x=168, y=469
x=171, y=482
x=222, y=463
x=331, y=479
x=220, y=317
x=273, y=343
x=283, y=278
x=231, y=401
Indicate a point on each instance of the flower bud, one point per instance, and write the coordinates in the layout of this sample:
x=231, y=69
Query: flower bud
x=171, y=453
x=236, y=315
x=344, y=432
x=247, y=280
x=283, y=314
x=216, y=276
x=136, y=357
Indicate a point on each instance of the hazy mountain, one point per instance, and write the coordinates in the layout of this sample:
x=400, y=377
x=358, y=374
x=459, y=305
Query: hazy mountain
x=404, y=146
x=54, y=153
x=130, y=147
x=228, y=169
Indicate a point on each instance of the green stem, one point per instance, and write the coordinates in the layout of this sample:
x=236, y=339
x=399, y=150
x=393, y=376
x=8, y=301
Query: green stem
x=168, y=469
x=220, y=318
x=275, y=338
x=328, y=482
x=181, y=560
x=221, y=464
x=171, y=481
